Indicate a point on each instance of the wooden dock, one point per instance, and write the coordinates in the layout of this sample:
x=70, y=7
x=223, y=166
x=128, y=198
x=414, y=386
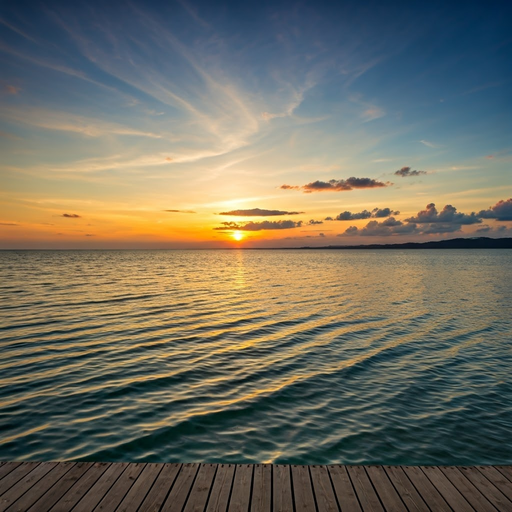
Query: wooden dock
x=100, y=486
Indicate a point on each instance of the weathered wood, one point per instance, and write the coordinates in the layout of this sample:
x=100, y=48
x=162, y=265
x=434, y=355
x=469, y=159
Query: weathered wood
x=39, y=488
x=406, y=489
x=5, y=469
x=15, y=475
x=385, y=490
x=500, y=501
x=282, y=489
x=322, y=487
x=181, y=488
x=497, y=478
x=158, y=492
x=262, y=488
x=201, y=488
x=367, y=497
x=302, y=489
x=241, y=493
x=427, y=491
x=447, y=490
x=505, y=471
x=122, y=485
x=23, y=485
x=343, y=488
x=96, y=493
x=56, y=492
x=140, y=488
x=219, y=497
x=475, y=498
x=80, y=488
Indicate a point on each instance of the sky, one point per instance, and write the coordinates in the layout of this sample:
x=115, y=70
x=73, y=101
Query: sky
x=187, y=124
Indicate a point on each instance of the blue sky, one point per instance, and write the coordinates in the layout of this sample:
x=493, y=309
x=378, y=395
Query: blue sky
x=114, y=113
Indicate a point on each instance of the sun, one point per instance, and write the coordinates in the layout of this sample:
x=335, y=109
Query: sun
x=237, y=235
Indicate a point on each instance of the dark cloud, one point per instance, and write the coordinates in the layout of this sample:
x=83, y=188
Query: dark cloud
x=390, y=226
x=448, y=215
x=180, y=211
x=405, y=172
x=484, y=229
x=321, y=235
x=338, y=185
x=8, y=224
x=376, y=213
x=328, y=218
x=259, y=226
x=501, y=211
x=438, y=229
x=315, y=222
x=71, y=215
x=258, y=212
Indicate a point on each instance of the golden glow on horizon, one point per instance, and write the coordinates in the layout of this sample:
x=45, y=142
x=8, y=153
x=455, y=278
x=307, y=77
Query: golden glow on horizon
x=238, y=236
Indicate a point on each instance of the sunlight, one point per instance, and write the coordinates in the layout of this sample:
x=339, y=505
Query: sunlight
x=237, y=235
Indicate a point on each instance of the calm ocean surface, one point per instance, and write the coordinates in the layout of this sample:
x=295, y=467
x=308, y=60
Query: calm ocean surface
x=399, y=357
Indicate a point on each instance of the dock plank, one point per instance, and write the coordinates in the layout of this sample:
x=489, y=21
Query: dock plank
x=181, y=488
x=24, y=484
x=385, y=490
x=367, y=496
x=221, y=489
x=80, y=488
x=262, y=488
x=40, y=487
x=15, y=475
x=343, y=488
x=322, y=487
x=413, y=501
x=497, y=478
x=497, y=498
x=138, y=491
x=426, y=489
x=282, y=489
x=241, y=493
x=302, y=489
x=475, y=498
x=158, y=492
x=5, y=469
x=505, y=471
x=447, y=490
x=201, y=488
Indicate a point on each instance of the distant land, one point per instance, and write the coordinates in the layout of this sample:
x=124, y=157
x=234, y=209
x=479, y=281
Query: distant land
x=454, y=243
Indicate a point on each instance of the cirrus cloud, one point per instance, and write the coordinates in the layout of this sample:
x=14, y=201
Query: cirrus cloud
x=258, y=212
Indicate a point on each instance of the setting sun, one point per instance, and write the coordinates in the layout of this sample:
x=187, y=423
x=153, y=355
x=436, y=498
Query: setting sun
x=237, y=235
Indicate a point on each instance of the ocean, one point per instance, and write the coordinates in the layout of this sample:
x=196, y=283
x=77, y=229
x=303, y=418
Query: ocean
x=283, y=356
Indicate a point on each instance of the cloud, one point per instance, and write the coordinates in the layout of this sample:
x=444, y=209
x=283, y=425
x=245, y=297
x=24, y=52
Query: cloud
x=372, y=113
x=8, y=224
x=389, y=227
x=11, y=89
x=258, y=212
x=405, y=172
x=71, y=216
x=448, y=215
x=338, y=185
x=322, y=235
x=428, y=144
x=259, y=226
x=180, y=211
x=376, y=213
x=501, y=211
x=315, y=222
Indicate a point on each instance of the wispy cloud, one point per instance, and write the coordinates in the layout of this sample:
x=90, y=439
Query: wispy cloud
x=259, y=226
x=338, y=185
x=406, y=172
x=180, y=211
x=428, y=144
x=257, y=212
x=71, y=216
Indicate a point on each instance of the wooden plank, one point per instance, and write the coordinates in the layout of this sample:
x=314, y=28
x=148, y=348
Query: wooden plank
x=97, y=492
x=241, y=493
x=181, y=488
x=40, y=487
x=345, y=494
x=302, y=489
x=475, y=498
x=425, y=488
x=322, y=487
x=15, y=475
x=505, y=471
x=140, y=488
x=413, y=501
x=51, y=497
x=163, y=484
x=5, y=469
x=23, y=485
x=262, y=488
x=447, y=490
x=282, y=489
x=486, y=488
x=499, y=481
x=80, y=488
x=121, y=487
x=385, y=490
x=221, y=489
x=201, y=488
x=367, y=496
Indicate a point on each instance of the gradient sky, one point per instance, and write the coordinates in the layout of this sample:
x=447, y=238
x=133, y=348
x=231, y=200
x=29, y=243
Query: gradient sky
x=189, y=124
